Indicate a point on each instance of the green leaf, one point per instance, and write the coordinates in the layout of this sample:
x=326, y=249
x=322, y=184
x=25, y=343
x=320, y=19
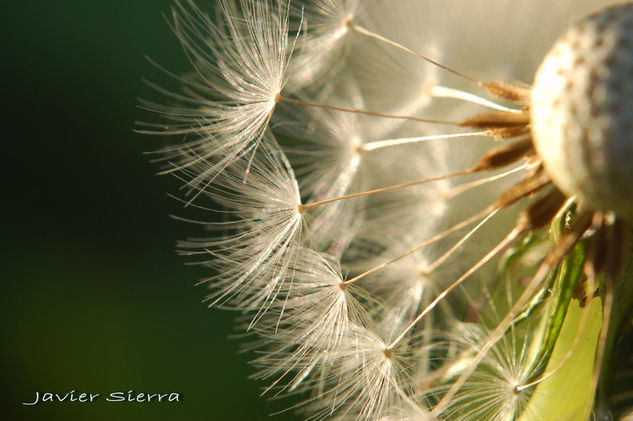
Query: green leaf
x=567, y=395
x=611, y=386
x=567, y=276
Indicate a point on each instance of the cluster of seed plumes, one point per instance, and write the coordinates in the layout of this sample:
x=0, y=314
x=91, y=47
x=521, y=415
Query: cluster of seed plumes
x=404, y=240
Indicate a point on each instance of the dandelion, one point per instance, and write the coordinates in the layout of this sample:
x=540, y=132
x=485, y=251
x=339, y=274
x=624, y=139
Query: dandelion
x=410, y=232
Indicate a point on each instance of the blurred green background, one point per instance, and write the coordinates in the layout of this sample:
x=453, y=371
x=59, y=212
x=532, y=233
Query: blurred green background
x=94, y=297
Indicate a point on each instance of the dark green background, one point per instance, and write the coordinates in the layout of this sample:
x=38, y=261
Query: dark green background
x=94, y=297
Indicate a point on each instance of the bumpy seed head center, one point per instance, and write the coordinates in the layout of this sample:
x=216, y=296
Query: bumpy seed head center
x=582, y=111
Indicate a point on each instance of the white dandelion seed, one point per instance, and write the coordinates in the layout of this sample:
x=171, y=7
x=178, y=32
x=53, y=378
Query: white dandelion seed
x=264, y=229
x=240, y=65
x=302, y=332
x=323, y=48
x=329, y=163
x=490, y=393
x=362, y=381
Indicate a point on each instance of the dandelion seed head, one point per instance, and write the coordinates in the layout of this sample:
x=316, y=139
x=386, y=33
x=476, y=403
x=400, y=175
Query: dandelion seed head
x=581, y=110
x=372, y=162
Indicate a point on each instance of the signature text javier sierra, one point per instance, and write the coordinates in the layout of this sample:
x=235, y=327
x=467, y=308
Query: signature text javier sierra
x=82, y=397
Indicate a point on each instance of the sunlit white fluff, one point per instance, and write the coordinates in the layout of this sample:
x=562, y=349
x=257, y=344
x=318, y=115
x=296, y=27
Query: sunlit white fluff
x=490, y=393
x=240, y=61
x=262, y=234
x=322, y=48
x=412, y=412
x=304, y=331
x=362, y=381
x=329, y=163
x=393, y=80
x=403, y=286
